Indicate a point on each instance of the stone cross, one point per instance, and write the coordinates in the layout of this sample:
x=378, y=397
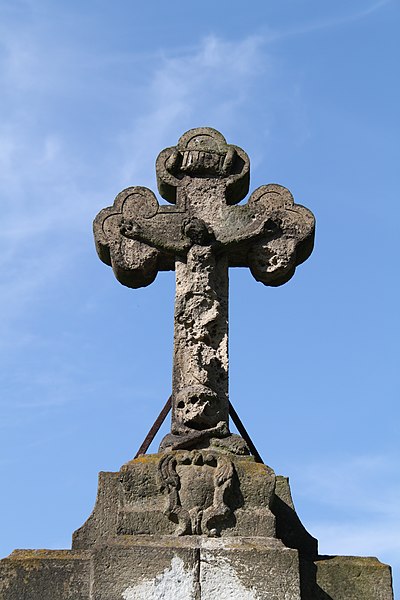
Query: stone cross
x=199, y=235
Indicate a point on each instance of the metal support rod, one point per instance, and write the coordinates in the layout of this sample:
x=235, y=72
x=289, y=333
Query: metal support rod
x=161, y=418
x=242, y=430
x=154, y=430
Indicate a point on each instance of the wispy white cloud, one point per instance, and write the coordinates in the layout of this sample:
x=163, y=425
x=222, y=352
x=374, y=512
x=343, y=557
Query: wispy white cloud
x=369, y=538
x=42, y=183
x=47, y=195
x=328, y=23
x=373, y=8
x=355, y=504
x=356, y=477
x=199, y=86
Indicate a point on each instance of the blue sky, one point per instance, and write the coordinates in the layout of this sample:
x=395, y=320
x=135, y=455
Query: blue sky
x=91, y=92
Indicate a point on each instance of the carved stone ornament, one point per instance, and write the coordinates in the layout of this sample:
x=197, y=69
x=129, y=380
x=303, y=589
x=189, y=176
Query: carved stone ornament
x=198, y=485
x=202, y=233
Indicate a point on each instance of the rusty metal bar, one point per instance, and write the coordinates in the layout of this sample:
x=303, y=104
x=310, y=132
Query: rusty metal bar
x=154, y=430
x=161, y=418
x=242, y=430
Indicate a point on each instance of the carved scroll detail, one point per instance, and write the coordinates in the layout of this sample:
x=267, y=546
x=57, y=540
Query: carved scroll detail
x=198, y=485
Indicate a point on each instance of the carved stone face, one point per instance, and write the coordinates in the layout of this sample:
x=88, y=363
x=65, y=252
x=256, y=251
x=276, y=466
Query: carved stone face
x=197, y=407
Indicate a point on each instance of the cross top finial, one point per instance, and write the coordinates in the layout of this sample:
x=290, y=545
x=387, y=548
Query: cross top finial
x=203, y=153
x=204, y=232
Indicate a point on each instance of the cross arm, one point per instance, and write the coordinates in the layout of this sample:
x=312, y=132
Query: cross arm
x=204, y=179
x=273, y=258
x=270, y=234
x=121, y=240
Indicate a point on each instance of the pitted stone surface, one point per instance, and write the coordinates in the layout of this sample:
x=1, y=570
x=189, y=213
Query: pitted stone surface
x=182, y=492
x=353, y=578
x=45, y=575
x=176, y=581
x=190, y=568
x=236, y=574
x=144, y=572
x=203, y=233
x=200, y=374
x=145, y=567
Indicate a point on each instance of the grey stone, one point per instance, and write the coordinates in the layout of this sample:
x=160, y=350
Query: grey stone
x=289, y=528
x=137, y=500
x=133, y=572
x=111, y=565
x=353, y=578
x=45, y=575
x=200, y=236
x=157, y=567
x=250, y=571
x=102, y=523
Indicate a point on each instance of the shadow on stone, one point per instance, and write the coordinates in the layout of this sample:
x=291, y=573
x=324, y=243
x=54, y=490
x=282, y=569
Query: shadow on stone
x=289, y=528
x=310, y=590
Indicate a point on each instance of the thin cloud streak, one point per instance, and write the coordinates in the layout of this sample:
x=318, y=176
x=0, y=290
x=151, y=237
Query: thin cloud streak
x=358, y=476
x=273, y=36
x=40, y=175
x=367, y=538
x=197, y=87
x=354, y=505
x=47, y=200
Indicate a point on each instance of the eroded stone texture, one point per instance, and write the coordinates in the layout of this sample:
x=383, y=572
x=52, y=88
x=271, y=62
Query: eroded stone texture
x=253, y=573
x=190, y=568
x=180, y=493
x=353, y=578
x=145, y=572
x=200, y=236
x=45, y=575
x=200, y=375
x=178, y=581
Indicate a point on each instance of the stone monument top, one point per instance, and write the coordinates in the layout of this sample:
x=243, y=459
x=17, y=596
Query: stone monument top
x=202, y=233
x=201, y=519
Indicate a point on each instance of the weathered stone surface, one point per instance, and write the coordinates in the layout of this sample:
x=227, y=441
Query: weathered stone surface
x=157, y=567
x=103, y=522
x=45, y=575
x=190, y=568
x=289, y=528
x=200, y=236
x=108, y=564
x=200, y=375
x=231, y=497
x=133, y=572
x=250, y=573
x=353, y=578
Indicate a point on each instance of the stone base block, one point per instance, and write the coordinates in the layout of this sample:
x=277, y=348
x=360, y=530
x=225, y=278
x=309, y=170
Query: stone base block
x=353, y=578
x=45, y=575
x=129, y=549
x=190, y=568
x=155, y=568
x=130, y=572
x=134, y=501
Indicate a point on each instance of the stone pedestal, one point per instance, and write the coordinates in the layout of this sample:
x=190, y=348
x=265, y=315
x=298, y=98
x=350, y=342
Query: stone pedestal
x=129, y=549
x=135, y=501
